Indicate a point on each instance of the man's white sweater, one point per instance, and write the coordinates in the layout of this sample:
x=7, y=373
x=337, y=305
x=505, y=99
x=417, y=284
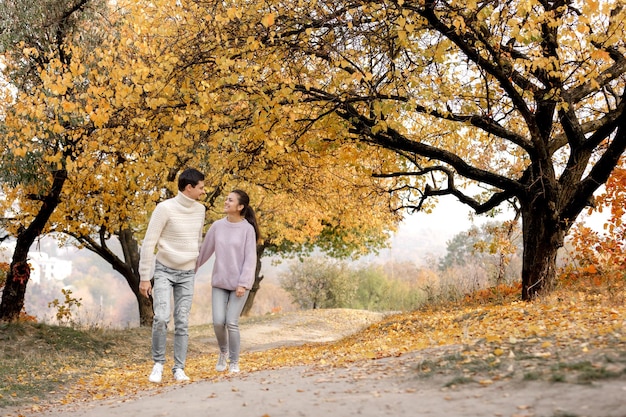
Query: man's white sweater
x=175, y=230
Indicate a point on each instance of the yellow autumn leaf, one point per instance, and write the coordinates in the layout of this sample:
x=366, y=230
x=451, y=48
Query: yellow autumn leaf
x=57, y=128
x=268, y=20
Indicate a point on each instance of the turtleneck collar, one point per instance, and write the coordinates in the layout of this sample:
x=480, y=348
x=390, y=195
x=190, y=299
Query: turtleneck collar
x=184, y=200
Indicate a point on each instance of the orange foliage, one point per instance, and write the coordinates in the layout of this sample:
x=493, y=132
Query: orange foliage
x=24, y=317
x=495, y=294
x=601, y=257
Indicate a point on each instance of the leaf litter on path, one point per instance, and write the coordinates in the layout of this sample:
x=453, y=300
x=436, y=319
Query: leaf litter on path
x=569, y=337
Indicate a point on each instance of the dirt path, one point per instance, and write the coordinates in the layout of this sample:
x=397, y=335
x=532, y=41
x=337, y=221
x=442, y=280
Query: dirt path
x=384, y=387
x=306, y=326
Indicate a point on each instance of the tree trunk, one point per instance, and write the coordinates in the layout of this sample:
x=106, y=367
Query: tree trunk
x=15, y=286
x=127, y=267
x=131, y=257
x=19, y=271
x=253, y=291
x=542, y=237
x=257, y=282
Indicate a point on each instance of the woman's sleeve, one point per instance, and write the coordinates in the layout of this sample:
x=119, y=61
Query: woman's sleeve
x=246, y=279
x=207, y=248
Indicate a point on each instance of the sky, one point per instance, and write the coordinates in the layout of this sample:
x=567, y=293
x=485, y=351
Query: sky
x=424, y=236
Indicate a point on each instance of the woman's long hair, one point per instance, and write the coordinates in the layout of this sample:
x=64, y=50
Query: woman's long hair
x=248, y=212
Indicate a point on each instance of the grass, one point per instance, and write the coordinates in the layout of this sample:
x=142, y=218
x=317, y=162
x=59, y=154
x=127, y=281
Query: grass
x=459, y=380
x=565, y=366
x=585, y=371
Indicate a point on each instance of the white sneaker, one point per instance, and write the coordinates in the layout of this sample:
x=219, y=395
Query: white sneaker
x=180, y=376
x=157, y=373
x=221, y=362
x=233, y=368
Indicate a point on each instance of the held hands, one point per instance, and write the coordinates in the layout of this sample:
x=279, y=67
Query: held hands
x=145, y=288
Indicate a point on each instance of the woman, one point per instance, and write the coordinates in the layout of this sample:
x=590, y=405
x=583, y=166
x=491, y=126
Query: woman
x=233, y=240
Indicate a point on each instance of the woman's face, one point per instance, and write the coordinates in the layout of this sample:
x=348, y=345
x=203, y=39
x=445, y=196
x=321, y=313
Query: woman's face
x=231, y=205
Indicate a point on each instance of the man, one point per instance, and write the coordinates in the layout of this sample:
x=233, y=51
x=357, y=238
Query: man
x=175, y=231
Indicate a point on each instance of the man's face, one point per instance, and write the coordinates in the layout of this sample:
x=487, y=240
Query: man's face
x=196, y=192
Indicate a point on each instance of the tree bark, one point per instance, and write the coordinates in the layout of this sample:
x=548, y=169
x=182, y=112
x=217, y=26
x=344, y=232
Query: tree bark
x=543, y=236
x=19, y=270
x=131, y=257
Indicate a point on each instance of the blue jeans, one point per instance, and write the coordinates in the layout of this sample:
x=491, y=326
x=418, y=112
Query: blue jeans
x=180, y=282
x=227, y=308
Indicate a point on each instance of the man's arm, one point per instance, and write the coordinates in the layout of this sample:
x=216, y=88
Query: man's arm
x=148, y=247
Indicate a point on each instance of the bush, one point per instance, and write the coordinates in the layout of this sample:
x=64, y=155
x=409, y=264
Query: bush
x=323, y=283
x=318, y=283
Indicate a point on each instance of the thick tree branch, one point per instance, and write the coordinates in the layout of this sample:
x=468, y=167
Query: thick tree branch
x=451, y=189
x=393, y=140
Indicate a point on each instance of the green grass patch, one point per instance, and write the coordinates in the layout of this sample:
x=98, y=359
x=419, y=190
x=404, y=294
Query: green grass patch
x=532, y=376
x=584, y=372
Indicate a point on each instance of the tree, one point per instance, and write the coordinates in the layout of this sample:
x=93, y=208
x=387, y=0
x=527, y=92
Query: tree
x=42, y=30
x=492, y=247
x=319, y=208
x=373, y=290
x=523, y=98
x=66, y=120
x=143, y=104
x=73, y=120
x=294, y=192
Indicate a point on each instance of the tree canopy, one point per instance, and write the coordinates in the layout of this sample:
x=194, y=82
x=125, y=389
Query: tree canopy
x=334, y=115
x=523, y=98
x=119, y=119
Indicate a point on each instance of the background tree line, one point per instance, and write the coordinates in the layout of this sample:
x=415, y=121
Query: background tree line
x=383, y=284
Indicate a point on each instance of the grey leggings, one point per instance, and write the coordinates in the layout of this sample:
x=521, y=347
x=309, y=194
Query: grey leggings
x=227, y=308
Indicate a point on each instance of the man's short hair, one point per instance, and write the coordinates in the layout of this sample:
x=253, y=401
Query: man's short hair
x=189, y=176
